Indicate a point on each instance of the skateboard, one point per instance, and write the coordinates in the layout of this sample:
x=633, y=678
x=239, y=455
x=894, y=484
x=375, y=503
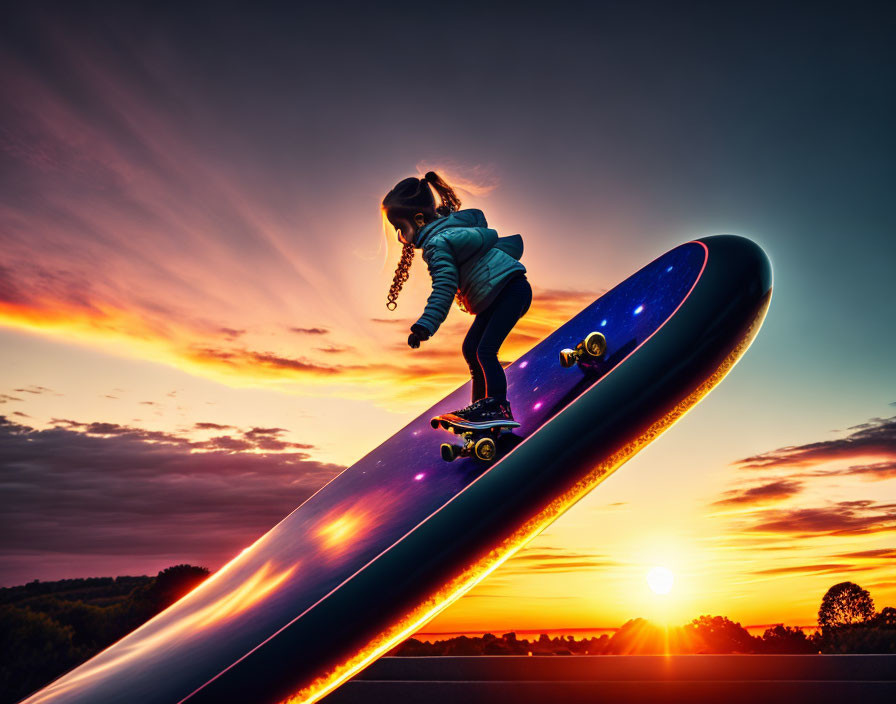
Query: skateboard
x=480, y=440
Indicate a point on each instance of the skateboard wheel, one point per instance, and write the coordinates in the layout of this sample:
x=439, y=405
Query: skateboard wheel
x=595, y=344
x=485, y=449
x=449, y=452
x=567, y=357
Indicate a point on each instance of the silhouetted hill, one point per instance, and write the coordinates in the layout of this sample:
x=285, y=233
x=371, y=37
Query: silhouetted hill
x=47, y=628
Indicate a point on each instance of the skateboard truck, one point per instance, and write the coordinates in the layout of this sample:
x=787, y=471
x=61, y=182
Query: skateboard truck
x=482, y=448
x=590, y=349
x=479, y=441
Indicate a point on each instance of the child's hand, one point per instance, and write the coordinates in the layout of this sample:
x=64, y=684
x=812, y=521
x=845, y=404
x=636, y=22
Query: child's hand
x=418, y=335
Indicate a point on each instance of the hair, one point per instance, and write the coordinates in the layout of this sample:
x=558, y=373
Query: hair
x=409, y=197
x=402, y=271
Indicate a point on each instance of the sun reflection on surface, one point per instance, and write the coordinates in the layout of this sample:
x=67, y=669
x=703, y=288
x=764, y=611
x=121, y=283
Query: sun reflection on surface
x=344, y=529
x=337, y=532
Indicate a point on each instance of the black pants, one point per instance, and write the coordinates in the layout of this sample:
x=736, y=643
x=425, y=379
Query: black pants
x=488, y=331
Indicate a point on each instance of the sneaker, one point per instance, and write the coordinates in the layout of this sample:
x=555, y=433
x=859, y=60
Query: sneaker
x=465, y=412
x=490, y=410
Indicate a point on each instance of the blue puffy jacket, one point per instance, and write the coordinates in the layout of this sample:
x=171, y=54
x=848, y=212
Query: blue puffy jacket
x=465, y=255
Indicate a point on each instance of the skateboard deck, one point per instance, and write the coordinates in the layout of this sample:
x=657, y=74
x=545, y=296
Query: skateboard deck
x=481, y=440
x=399, y=535
x=453, y=423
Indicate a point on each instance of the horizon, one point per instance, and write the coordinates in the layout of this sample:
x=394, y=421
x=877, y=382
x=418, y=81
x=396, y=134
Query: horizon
x=503, y=630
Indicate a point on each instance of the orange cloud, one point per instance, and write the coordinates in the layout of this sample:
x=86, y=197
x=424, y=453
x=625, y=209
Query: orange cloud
x=554, y=560
x=830, y=568
x=387, y=374
x=875, y=438
x=841, y=518
x=771, y=491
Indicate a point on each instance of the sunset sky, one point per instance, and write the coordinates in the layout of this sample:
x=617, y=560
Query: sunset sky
x=193, y=275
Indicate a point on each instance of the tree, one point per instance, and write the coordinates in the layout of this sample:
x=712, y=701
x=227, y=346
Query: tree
x=722, y=635
x=886, y=618
x=174, y=582
x=782, y=639
x=845, y=604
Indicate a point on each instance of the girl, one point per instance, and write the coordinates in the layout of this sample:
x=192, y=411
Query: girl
x=468, y=262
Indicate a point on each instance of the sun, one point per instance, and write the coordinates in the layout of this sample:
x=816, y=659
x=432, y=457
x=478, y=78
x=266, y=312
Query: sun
x=660, y=580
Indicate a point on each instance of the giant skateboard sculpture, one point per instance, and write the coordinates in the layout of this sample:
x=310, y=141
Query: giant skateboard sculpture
x=399, y=535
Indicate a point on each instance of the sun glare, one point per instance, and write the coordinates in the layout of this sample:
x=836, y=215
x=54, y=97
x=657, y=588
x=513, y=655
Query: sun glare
x=660, y=580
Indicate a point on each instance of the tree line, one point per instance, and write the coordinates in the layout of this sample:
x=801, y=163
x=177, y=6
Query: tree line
x=47, y=628
x=847, y=623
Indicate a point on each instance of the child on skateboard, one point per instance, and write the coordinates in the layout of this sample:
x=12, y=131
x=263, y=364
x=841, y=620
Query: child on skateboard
x=467, y=262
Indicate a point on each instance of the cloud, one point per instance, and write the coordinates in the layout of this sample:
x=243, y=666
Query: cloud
x=831, y=568
x=266, y=439
x=566, y=297
x=231, y=333
x=870, y=554
x=875, y=471
x=242, y=360
x=836, y=519
x=876, y=437
x=554, y=560
x=887, y=584
x=335, y=349
x=6, y=398
x=771, y=491
x=54, y=303
x=790, y=520
x=86, y=493
x=36, y=390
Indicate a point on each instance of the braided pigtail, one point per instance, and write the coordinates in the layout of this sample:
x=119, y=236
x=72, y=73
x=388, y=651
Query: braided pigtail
x=402, y=272
x=450, y=200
